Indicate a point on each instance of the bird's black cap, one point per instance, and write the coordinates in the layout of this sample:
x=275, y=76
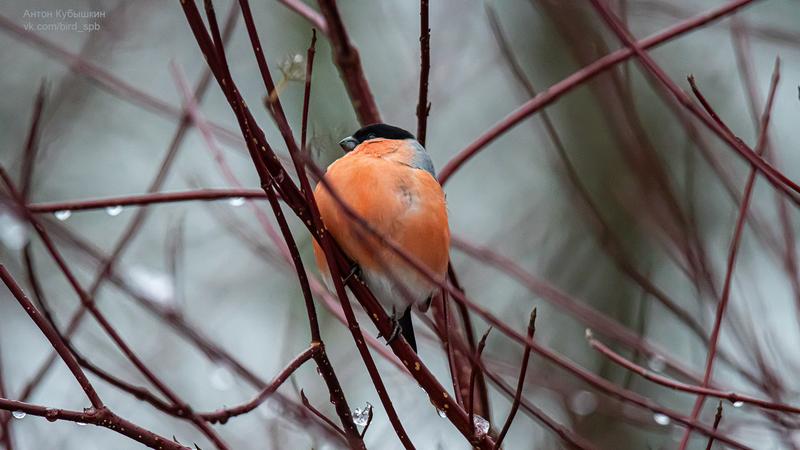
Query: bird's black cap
x=381, y=130
x=374, y=131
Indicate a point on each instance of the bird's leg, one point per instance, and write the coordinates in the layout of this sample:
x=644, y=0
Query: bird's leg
x=355, y=271
x=396, y=328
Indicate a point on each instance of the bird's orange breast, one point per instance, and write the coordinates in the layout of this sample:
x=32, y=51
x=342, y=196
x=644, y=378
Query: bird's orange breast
x=403, y=203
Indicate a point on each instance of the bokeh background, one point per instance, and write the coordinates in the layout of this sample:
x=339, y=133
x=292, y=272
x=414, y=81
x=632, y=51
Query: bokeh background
x=210, y=262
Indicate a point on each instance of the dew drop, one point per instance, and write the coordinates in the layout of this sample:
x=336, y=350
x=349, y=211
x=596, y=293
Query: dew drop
x=114, y=211
x=319, y=372
x=19, y=414
x=441, y=413
x=361, y=415
x=661, y=419
x=221, y=378
x=481, y=426
x=63, y=215
x=81, y=424
x=236, y=201
x=657, y=363
x=738, y=404
x=583, y=403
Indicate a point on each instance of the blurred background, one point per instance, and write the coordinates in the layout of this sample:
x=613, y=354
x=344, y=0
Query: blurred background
x=620, y=200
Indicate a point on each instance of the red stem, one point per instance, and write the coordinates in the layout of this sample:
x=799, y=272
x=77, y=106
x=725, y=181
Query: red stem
x=223, y=415
x=520, y=382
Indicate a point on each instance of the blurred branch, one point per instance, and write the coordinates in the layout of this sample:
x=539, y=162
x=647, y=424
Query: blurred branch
x=32, y=142
x=569, y=83
x=775, y=177
x=105, y=79
x=737, y=233
x=732, y=397
x=308, y=13
x=347, y=60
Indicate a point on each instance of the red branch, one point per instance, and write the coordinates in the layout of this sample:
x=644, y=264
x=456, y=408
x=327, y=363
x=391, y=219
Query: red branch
x=99, y=414
x=147, y=199
x=732, y=397
x=583, y=75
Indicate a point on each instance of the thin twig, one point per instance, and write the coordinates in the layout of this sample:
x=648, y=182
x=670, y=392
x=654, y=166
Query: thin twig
x=423, y=106
x=520, y=383
x=316, y=412
x=223, y=415
x=732, y=397
x=147, y=199
x=717, y=419
x=475, y=369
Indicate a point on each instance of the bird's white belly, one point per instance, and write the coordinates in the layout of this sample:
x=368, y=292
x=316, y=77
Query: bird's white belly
x=388, y=292
x=401, y=289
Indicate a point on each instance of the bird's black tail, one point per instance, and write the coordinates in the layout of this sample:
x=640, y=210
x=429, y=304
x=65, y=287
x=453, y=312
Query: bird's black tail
x=407, y=328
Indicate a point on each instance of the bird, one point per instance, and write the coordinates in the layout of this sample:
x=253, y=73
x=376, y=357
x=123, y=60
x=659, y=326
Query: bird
x=387, y=177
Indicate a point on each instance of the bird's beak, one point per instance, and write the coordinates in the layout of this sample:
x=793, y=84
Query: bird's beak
x=348, y=144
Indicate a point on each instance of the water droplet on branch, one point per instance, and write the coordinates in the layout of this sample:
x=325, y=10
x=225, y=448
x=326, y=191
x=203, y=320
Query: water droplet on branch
x=236, y=201
x=19, y=414
x=361, y=415
x=63, y=215
x=661, y=419
x=738, y=404
x=481, y=426
x=114, y=211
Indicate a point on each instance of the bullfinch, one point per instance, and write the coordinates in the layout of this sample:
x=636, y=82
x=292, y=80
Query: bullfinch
x=388, y=179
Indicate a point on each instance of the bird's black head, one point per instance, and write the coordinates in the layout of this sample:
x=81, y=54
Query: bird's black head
x=374, y=131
